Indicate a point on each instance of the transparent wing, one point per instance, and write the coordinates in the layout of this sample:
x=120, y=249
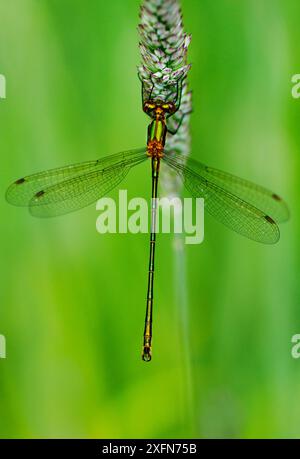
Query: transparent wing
x=258, y=196
x=22, y=190
x=63, y=190
x=228, y=208
x=261, y=198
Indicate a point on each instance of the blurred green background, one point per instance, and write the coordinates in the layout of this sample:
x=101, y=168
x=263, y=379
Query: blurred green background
x=73, y=301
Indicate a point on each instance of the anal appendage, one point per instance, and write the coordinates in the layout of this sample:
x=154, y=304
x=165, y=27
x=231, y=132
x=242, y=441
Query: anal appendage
x=146, y=355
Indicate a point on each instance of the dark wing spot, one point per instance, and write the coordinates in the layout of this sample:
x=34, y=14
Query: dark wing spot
x=276, y=197
x=21, y=180
x=270, y=220
x=39, y=194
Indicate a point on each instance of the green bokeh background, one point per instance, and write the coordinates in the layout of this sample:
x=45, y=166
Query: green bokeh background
x=73, y=301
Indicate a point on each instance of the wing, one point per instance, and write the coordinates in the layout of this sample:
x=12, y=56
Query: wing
x=261, y=198
x=63, y=190
x=228, y=208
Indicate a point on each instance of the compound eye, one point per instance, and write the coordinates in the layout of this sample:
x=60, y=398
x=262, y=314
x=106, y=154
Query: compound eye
x=172, y=108
x=148, y=106
x=169, y=107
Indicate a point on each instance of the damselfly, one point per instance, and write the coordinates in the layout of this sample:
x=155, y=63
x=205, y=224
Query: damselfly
x=242, y=206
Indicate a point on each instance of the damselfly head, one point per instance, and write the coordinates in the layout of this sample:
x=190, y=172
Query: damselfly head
x=159, y=107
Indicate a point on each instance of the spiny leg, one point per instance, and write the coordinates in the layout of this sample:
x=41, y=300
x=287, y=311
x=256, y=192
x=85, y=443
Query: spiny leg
x=151, y=92
x=177, y=100
x=143, y=90
x=144, y=99
x=174, y=131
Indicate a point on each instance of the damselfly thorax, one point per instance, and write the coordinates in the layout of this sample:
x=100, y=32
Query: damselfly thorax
x=158, y=110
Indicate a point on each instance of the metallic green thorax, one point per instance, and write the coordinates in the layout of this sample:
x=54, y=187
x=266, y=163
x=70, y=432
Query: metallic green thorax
x=157, y=131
